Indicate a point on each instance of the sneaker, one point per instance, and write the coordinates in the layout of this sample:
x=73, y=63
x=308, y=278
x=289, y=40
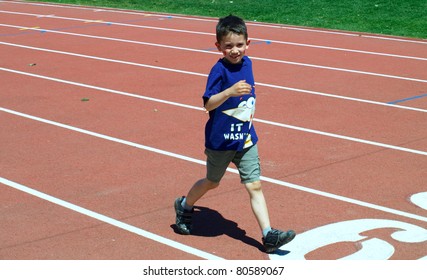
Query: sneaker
x=183, y=217
x=276, y=238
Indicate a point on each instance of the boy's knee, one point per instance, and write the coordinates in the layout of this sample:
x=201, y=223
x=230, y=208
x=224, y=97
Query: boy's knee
x=210, y=184
x=253, y=186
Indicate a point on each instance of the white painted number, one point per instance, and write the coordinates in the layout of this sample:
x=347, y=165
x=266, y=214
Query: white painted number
x=349, y=231
x=420, y=199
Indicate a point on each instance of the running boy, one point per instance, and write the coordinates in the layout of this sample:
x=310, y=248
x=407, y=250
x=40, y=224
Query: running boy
x=229, y=134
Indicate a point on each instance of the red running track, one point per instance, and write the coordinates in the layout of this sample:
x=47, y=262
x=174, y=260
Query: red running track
x=102, y=128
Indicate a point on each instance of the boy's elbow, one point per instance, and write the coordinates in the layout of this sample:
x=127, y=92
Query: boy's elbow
x=208, y=105
x=208, y=108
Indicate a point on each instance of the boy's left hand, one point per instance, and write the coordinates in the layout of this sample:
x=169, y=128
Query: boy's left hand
x=240, y=88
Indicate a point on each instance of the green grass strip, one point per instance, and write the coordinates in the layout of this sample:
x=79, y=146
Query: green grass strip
x=407, y=18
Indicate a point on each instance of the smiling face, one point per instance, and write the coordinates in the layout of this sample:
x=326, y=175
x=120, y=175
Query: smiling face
x=233, y=46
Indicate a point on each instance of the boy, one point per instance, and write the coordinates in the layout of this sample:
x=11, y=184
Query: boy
x=229, y=134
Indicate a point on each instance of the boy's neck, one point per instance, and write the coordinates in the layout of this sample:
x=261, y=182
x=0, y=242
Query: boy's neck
x=228, y=62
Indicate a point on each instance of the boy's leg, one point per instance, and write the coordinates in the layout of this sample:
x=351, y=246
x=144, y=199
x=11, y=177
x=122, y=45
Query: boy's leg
x=198, y=190
x=258, y=204
x=272, y=238
x=249, y=167
x=184, y=205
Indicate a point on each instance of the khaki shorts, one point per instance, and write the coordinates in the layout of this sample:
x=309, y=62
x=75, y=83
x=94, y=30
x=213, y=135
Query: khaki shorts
x=246, y=161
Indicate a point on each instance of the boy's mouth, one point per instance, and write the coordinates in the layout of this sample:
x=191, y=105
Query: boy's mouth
x=234, y=56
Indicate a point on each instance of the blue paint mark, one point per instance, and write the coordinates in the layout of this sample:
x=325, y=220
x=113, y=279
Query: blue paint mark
x=267, y=42
x=210, y=49
x=407, y=99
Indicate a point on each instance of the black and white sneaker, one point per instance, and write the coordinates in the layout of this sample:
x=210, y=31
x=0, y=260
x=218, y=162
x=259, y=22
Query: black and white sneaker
x=183, y=217
x=276, y=238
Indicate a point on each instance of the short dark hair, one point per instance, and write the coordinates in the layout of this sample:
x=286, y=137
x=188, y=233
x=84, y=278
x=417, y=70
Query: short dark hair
x=230, y=24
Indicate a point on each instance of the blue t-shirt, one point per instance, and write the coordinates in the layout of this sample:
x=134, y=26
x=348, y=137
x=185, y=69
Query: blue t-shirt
x=230, y=125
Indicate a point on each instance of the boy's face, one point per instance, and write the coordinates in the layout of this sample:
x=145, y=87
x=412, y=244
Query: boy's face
x=233, y=46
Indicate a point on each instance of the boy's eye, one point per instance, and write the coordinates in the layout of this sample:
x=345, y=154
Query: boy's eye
x=228, y=47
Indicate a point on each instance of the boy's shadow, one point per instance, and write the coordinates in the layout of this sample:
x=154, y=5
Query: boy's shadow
x=210, y=223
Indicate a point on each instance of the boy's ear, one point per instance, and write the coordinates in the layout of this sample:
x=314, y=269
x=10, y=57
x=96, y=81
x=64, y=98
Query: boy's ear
x=248, y=42
x=218, y=46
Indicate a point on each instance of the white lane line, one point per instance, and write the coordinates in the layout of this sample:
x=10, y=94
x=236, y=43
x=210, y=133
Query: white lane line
x=205, y=75
x=343, y=137
x=212, y=34
x=216, y=53
x=207, y=19
x=106, y=89
x=111, y=221
x=340, y=97
x=202, y=109
x=378, y=144
x=232, y=170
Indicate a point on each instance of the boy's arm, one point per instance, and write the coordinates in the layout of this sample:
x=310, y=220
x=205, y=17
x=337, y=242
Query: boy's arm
x=238, y=89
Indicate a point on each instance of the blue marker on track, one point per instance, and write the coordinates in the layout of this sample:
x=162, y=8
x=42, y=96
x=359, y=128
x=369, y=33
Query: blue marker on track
x=407, y=99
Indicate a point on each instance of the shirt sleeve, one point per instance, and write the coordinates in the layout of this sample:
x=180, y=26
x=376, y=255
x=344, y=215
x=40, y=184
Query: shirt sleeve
x=213, y=84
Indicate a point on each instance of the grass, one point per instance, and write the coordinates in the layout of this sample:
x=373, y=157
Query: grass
x=406, y=18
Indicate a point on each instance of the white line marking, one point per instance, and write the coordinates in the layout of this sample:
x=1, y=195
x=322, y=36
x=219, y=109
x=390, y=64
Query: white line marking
x=212, y=34
x=340, y=69
x=105, y=89
x=111, y=221
x=343, y=137
x=232, y=170
x=216, y=53
x=340, y=97
x=200, y=18
x=205, y=75
x=202, y=109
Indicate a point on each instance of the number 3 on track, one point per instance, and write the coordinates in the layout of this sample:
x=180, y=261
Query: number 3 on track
x=349, y=231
